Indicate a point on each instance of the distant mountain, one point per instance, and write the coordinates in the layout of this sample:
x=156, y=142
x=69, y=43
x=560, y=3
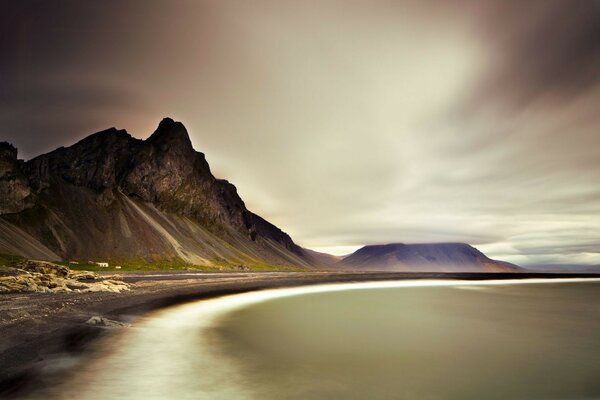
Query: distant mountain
x=565, y=268
x=113, y=197
x=443, y=257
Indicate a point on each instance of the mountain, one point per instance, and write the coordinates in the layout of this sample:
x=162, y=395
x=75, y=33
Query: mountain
x=565, y=268
x=442, y=257
x=114, y=197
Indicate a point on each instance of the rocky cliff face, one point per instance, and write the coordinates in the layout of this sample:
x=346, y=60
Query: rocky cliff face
x=442, y=257
x=112, y=196
x=14, y=189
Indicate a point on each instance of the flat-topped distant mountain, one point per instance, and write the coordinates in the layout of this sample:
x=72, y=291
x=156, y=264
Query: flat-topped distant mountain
x=442, y=257
x=565, y=268
x=113, y=197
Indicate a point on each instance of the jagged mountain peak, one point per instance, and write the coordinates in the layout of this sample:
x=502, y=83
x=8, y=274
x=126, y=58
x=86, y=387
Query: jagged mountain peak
x=8, y=157
x=8, y=150
x=170, y=132
x=114, y=196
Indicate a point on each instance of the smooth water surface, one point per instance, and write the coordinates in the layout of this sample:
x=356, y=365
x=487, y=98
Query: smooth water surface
x=464, y=341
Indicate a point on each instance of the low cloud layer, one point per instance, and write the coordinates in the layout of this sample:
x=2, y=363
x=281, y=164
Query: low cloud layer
x=343, y=122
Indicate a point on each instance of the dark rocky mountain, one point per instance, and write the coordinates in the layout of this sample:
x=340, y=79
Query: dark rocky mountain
x=113, y=197
x=443, y=257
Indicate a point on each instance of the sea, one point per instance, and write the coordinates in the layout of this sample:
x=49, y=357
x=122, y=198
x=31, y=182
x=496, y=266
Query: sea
x=423, y=340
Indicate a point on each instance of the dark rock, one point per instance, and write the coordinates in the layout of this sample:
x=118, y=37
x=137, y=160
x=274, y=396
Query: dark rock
x=43, y=267
x=8, y=158
x=14, y=186
x=97, y=320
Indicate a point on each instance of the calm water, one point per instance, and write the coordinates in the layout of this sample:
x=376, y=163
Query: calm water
x=471, y=341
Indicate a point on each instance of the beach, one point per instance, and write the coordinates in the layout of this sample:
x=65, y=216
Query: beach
x=46, y=336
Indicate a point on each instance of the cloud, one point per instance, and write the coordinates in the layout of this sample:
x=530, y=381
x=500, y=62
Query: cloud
x=343, y=122
x=39, y=115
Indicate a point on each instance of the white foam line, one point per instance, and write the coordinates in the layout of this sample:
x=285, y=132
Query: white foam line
x=242, y=299
x=154, y=359
x=221, y=305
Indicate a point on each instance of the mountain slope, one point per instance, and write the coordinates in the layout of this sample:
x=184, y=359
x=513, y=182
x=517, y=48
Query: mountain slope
x=443, y=257
x=113, y=197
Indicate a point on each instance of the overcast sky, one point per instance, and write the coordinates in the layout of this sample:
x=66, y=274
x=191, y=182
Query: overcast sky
x=343, y=122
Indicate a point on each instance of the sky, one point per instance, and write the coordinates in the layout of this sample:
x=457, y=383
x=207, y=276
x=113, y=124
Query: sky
x=345, y=123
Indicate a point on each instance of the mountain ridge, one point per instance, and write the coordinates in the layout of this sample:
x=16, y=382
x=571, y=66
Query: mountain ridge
x=158, y=195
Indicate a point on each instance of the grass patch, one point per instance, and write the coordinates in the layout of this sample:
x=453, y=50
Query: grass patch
x=154, y=265
x=268, y=267
x=173, y=265
x=137, y=265
x=9, y=260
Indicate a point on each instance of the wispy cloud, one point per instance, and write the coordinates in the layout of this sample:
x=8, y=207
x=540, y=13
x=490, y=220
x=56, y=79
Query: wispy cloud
x=343, y=122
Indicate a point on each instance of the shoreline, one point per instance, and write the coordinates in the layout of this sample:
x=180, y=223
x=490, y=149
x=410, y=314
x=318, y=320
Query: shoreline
x=127, y=363
x=38, y=330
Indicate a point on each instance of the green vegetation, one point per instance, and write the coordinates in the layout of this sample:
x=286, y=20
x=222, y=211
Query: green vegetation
x=155, y=265
x=8, y=260
x=165, y=265
x=136, y=265
x=269, y=267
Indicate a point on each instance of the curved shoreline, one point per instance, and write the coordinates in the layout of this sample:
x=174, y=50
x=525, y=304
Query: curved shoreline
x=132, y=368
x=31, y=344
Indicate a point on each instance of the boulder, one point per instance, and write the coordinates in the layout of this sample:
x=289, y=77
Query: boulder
x=45, y=277
x=97, y=320
x=43, y=267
